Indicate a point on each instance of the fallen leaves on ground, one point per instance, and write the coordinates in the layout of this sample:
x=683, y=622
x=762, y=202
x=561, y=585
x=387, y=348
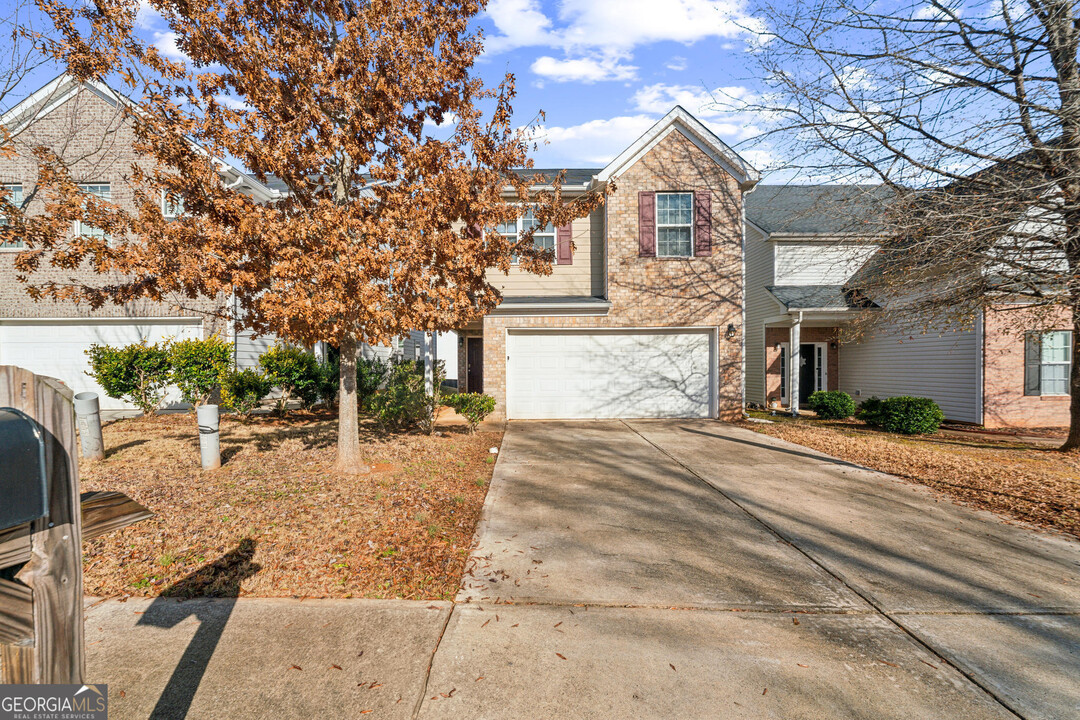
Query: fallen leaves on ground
x=1024, y=481
x=275, y=521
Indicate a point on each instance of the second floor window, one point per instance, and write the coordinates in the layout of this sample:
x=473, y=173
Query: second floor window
x=543, y=238
x=674, y=224
x=1047, y=362
x=14, y=195
x=173, y=208
x=99, y=190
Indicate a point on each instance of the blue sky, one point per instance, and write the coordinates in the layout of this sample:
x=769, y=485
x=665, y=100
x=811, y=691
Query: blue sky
x=604, y=71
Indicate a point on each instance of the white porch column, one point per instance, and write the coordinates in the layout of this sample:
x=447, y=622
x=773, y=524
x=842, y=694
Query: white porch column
x=429, y=363
x=794, y=364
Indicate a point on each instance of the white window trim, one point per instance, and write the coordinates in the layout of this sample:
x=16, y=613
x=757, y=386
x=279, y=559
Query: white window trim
x=821, y=382
x=1043, y=363
x=81, y=186
x=3, y=220
x=520, y=224
x=658, y=225
x=165, y=206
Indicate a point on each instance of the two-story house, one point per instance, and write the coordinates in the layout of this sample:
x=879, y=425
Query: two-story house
x=85, y=124
x=642, y=315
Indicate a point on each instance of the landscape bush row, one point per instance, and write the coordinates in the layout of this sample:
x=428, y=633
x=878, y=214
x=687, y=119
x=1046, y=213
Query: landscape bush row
x=904, y=414
x=393, y=392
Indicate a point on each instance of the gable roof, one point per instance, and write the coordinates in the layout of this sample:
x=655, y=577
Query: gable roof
x=818, y=209
x=61, y=89
x=694, y=130
x=819, y=297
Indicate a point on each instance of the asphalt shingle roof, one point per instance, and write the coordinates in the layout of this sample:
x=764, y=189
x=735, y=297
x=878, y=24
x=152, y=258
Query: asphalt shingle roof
x=806, y=297
x=817, y=209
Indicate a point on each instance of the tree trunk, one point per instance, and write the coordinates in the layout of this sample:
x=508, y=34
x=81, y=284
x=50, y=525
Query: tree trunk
x=348, y=444
x=1072, y=443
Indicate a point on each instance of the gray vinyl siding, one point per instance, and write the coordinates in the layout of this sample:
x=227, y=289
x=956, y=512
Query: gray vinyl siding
x=759, y=305
x=818, y=263
x=249, y=348
x=941, y=366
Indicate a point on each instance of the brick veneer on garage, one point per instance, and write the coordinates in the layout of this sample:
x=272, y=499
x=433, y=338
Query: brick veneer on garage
x=704, y=292
x=101, y=143
x=1004, y=402
x=775, y=335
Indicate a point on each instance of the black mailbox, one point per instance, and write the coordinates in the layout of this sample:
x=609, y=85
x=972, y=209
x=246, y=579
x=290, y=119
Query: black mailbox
x=24, y=494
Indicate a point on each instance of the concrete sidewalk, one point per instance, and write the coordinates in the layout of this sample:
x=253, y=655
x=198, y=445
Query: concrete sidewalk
x=661, y=569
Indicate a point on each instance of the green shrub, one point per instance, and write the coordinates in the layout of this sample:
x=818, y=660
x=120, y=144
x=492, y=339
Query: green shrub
x=474, y=407
x=402, y=404
x=329, y=381
x=295, y=372
x=905, y=415
x=243, y=390
x=832, y=404
x=371, y=373
x=196, y=366
x=136, y=373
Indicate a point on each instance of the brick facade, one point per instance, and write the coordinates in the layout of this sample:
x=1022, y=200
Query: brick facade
x=91, y=133
x=774, y=335
x=700, y=292
x=1004, y=401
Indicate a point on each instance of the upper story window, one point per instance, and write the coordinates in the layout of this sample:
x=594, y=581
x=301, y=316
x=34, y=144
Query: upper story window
x=99, y=190
x=14, y=194
x=674, y=224
x=171, y=209
x=543, y=238
x=1047, y=362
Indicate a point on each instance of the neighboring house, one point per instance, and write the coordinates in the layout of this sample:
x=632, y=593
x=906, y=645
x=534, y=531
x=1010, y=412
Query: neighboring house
x=642, y=314
x=83, y=122
x=804, y=246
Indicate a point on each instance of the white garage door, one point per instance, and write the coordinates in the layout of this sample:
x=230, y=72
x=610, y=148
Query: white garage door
x=56, y=349
x=624, y=374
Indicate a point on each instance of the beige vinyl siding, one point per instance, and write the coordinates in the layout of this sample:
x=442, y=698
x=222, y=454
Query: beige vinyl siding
x=818, y=263
x=759, y=305
x=941, y=366
x=584, y=277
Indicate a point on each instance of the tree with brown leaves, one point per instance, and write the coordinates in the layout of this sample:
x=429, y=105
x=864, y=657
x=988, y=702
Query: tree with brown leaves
x=970, y=112
x=380, y=230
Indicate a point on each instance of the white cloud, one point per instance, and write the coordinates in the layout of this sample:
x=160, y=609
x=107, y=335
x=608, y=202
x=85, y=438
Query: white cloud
x=521, y=23
x=719, y=108
x=165, y=42
x=677, y=63
x=232, y=103
x=146, y=17
x=585, y=69
x=449, y=120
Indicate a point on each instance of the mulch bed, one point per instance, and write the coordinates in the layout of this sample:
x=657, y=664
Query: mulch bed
x=1019, y=480
x=275, y=521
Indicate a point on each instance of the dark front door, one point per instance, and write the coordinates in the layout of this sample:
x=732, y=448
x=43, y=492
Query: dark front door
x=474, y=364
x=807, y=372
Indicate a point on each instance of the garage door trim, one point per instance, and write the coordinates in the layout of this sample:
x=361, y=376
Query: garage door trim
x=712, y=331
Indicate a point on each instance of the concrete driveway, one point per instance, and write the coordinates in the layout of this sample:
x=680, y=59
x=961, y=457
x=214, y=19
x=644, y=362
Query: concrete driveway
x=692, y=569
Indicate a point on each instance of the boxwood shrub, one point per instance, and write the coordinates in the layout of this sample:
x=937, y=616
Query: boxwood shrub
x=904, y=414
x=832, y=404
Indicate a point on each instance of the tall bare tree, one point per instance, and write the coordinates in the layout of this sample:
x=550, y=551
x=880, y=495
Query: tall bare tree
x=381, y=230
x=971, y=112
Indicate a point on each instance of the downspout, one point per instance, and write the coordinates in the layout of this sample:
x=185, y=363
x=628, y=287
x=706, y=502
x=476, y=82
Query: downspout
x=742, y=309
x=980, y=359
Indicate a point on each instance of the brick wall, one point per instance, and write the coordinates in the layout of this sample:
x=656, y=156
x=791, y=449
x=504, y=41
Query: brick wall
x=658, y=292
x=98, y=142
x=1004, y=402
x=774, y=335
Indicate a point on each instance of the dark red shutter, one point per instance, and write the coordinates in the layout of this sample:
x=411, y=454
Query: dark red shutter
x=702, y=223
x=646, y=224
x=564, y=252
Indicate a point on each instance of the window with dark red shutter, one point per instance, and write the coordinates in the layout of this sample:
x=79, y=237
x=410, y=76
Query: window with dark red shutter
x=702, y=223
x=647, y=224
x=564, y=252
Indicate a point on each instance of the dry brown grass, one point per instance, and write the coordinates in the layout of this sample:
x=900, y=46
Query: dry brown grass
x=274, y=521
x=1028, y=482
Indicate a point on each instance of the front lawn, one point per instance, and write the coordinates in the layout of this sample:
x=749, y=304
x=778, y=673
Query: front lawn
x=275, y=522
x=1029, y=482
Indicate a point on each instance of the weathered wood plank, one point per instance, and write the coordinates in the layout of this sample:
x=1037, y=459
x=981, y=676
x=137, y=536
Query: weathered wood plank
x=54, y=571
x=102, y=512
x=14, y=545
x=16, y=613
x=106, y=511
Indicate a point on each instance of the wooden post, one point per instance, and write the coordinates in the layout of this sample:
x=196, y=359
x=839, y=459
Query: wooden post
x=53, y=572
